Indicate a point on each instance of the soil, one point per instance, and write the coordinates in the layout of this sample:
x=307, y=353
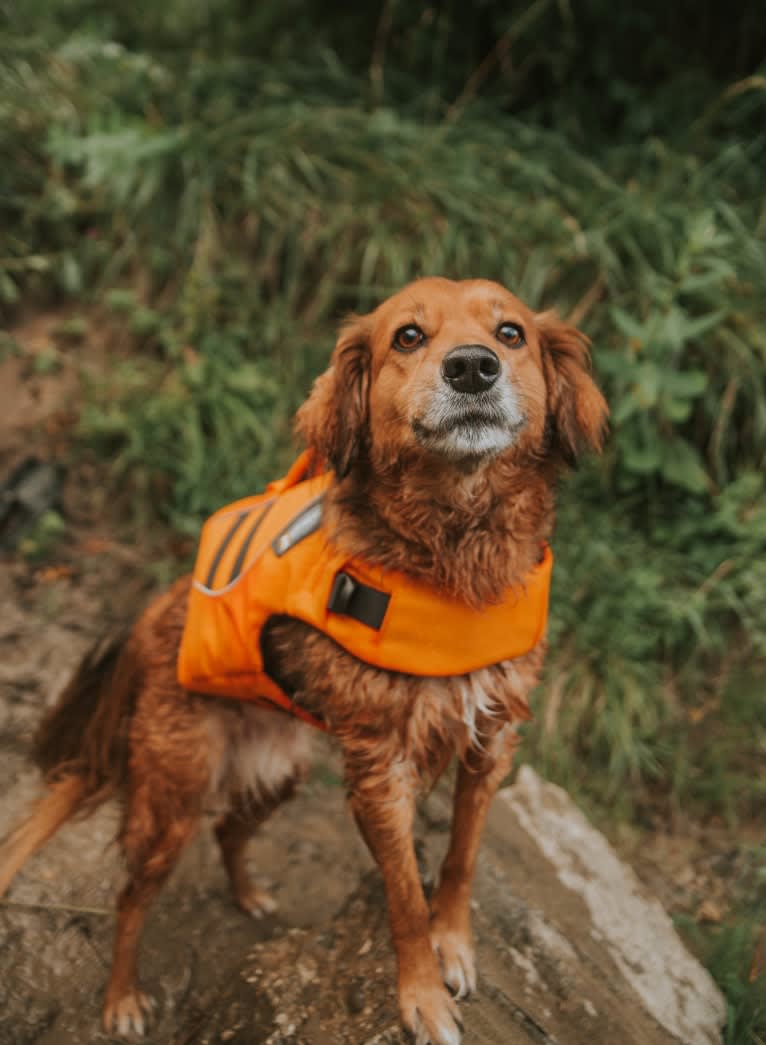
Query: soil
x=320, y=970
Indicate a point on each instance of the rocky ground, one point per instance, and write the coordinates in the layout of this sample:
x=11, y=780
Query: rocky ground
x=570, y=948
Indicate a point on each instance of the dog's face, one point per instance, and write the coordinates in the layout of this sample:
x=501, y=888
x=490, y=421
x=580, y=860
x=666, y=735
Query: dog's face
x=456, y=370
x=461, y=372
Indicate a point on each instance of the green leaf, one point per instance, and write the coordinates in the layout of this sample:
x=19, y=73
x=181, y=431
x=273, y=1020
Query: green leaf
x=685, y=384
x=70, y=274
x=9, y=292
x=647, y=387
x=677, y=410
x=628, y=324
x=625, y=408
x=682, y=466
x=642, y=460
x=695, y=327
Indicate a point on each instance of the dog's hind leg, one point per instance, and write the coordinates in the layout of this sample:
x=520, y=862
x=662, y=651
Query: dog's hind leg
x=234, y=830
x=153, y=838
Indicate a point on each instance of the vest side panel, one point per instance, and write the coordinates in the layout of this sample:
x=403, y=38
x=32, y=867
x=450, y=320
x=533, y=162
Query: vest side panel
x=220, y=649
x=424, y=633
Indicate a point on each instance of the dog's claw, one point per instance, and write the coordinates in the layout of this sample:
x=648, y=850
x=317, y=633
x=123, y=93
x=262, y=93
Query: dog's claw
x=432, y=1016
x=257, y=902
x=455, y=954
x=126, y=1016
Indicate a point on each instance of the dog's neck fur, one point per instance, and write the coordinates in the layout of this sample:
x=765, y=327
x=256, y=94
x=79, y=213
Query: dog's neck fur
x=471, y=533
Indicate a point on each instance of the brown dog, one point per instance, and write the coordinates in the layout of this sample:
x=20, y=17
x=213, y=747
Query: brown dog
x=445, y=470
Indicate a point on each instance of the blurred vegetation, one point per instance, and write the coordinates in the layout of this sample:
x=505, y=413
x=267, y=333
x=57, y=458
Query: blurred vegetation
x=222, y=181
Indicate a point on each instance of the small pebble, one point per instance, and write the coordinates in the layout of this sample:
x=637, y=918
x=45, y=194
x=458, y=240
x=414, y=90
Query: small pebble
x=355, y=997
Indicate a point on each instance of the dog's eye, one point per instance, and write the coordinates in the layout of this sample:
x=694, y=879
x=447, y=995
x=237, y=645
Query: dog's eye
x=408, y=338
x=510, y=335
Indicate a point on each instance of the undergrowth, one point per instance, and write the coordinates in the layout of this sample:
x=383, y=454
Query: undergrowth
x=223, y=206
x=734, y=954
x=221, y=185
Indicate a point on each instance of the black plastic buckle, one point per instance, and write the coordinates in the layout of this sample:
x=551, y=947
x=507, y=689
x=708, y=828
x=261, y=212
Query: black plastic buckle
x=350, y=598
x=343, y=588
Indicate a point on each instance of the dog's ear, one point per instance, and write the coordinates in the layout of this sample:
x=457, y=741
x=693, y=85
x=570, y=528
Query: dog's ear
x=334, y=419
x=577, y=411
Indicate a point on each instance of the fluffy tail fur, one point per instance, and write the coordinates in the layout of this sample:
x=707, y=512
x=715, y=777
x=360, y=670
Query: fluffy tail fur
x=81, y=746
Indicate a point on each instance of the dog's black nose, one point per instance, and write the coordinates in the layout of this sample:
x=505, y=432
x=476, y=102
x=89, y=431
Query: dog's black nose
x=470, y=368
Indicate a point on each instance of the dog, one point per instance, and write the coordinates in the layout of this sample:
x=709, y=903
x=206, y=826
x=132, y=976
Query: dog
x=446, y=415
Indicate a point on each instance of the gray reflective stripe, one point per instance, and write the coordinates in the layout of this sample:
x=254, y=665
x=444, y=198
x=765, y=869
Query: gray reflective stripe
x=303, y=525
x=239, y=561
x=224, y=545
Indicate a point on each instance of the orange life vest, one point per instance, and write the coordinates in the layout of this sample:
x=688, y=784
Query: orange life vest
x=268, y=555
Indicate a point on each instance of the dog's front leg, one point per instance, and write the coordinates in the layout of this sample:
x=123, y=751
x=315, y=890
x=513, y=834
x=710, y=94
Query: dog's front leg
x=451, y=902
x=384, y=807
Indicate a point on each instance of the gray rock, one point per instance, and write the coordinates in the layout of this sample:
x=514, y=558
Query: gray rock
x=627, y=924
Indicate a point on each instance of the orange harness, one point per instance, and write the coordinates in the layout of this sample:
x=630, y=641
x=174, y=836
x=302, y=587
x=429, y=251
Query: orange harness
x=269, y=555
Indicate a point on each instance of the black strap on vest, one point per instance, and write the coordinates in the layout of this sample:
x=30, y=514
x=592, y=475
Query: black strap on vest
x=350, y=598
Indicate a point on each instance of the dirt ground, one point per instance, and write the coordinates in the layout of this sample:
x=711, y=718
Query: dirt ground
x=320, y=970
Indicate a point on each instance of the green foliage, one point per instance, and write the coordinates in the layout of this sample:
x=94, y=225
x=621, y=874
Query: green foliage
x=658, y=651
x=224, y=181
x=731, y=954
x=37, y=542
x=206, y=433
x=72, y=330
x=227, y=202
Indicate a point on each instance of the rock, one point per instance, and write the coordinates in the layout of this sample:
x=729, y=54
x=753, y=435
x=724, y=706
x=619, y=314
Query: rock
x=32, y=489
x=633, y=932
x=355, y=997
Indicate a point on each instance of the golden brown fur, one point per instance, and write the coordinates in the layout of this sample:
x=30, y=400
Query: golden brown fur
x=459, y=501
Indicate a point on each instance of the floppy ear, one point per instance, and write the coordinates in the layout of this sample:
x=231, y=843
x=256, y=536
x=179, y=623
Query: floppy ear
x=577, y=411
x=333, y=420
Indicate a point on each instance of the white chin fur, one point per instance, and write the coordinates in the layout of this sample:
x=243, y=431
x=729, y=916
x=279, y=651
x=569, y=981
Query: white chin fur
x=471, y=441
x=493, y=426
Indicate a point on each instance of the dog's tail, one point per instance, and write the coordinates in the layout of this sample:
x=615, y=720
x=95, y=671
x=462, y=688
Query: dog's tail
x=58, y=804
x=81, y=746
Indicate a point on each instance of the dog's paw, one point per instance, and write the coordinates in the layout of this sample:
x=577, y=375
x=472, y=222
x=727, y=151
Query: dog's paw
x=256, y=902
x=127, y=1015
x=454, y=950
x=430, y=1015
